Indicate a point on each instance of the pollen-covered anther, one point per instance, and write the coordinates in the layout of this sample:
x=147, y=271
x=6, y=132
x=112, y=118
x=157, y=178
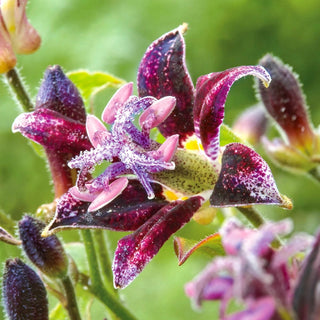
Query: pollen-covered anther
x=116, y=102
x=107, y=195
x=96, y=130
x=157, y=113
x=167, y=149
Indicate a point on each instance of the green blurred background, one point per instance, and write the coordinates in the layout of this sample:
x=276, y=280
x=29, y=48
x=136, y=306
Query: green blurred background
x=112, y=36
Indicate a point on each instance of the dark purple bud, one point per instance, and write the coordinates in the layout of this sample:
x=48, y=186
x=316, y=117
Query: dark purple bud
x=58, y=124
x=245, y=179
x=285, y=102
x=306, y=299
x=163, y=72
x=24, y=295
x=58, y=93
x=136, y=250
x=127, y=212
x=46, y=253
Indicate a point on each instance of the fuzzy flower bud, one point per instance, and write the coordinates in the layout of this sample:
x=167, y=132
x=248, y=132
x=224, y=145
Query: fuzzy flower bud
x=24, y=295
x=16, y=33
x=46, y=253
x=285, y=102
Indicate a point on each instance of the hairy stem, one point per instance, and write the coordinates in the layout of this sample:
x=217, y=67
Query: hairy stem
x=15, y=83
x=72, y=306
x=97, y=287
x=104, y=259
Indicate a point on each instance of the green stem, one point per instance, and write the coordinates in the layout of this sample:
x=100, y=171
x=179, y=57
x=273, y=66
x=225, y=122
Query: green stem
x=16, y=85
x=72, y=306
x=97, y=287
x=252, y=215
x=104, y=259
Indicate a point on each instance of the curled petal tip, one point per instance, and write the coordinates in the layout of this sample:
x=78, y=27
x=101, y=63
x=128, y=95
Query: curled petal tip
x=106, y=196
x=183, y=28
x=116, y=102
x=157, y=113
x=286, y=202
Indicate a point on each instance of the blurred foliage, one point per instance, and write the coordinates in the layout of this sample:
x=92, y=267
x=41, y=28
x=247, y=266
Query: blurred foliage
x=111, y=36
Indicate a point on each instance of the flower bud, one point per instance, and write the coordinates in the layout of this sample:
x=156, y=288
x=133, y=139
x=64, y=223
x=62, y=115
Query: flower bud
x=24, y=295
x=16, y=33
x=58, y=124
x=46, y=253
x=285, y=102
x=252, y=124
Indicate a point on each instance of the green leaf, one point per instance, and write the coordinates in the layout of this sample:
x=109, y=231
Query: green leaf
x=228, y=136
x=58, y=313
x=210, y=245
x=90, y=83
x=77, y=252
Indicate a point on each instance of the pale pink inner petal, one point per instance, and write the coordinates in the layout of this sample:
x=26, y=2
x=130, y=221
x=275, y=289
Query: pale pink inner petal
x=116, y=102
x=106, y=196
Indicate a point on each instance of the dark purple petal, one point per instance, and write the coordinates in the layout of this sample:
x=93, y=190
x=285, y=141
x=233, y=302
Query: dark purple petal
x=137, y=249
x=45, y=253
x=125, y=213
x=58, y=93
x=285, y=102
x=211, y=94
x=245, y=179
x=163, y=72
x=53, y=131
x=24, y=294
x=306, y=303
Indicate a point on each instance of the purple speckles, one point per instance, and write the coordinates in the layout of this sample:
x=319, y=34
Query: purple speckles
x=162, y=72
x=245, y=179
x=211, y=94
x=137, y=249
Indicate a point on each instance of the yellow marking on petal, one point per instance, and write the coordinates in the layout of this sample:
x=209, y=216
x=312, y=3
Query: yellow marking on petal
x=193, y=144
x=172, y=196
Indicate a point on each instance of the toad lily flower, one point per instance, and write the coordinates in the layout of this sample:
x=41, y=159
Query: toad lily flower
x=129, y=194
x=300, y=147
x=16, y=33
x=263, y=278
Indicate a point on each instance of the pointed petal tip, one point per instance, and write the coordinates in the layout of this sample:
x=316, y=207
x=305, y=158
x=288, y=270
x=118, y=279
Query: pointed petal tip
x=116, y=102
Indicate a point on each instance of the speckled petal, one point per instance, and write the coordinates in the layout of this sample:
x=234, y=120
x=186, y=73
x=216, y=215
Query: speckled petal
x=245, y=179
x=211, y=94
x=285, y=102
x=125, y=213
x=52, y=130
x=137, y=249
x=163, y=72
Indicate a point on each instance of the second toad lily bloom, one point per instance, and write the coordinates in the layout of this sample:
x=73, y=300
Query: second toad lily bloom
x=129, y=194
